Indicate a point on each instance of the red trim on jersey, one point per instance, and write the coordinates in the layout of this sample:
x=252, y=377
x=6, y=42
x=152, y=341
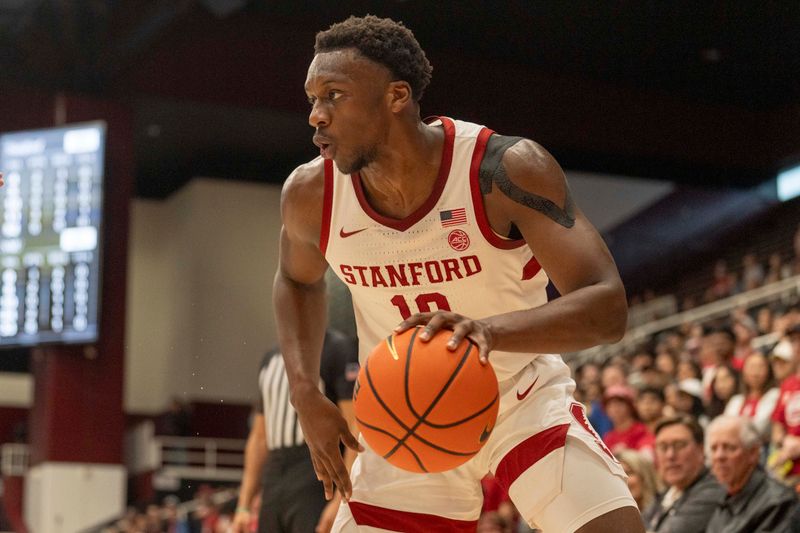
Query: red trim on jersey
x=403, y=224
x=394, y=520
x=530, y=269
x=528, y=452
x=327, y=206
x=477, y=198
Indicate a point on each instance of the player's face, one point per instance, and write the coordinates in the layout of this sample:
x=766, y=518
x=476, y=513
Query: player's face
x=349, y=107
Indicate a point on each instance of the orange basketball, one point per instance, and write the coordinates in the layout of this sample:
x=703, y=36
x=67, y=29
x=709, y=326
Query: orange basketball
x=423, y=407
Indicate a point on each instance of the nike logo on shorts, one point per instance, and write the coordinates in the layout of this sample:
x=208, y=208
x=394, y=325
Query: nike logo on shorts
x=521, y=395
x=345, y=234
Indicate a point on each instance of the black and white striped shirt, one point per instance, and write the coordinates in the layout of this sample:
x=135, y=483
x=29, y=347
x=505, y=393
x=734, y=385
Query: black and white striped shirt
x=338, y=372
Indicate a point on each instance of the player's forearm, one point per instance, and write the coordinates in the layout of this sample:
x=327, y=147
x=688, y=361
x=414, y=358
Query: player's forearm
x=586, y=317
x=300, y=314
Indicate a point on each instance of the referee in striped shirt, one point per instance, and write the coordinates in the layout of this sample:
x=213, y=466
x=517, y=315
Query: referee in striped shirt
x=277, y=459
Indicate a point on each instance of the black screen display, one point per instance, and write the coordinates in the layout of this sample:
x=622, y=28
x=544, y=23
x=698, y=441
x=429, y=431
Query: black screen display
x=50, y=222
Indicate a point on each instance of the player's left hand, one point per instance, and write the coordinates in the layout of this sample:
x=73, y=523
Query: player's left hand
x=477, y=331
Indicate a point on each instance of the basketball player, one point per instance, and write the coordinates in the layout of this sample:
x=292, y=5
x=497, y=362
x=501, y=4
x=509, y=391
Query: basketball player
x=444, y=224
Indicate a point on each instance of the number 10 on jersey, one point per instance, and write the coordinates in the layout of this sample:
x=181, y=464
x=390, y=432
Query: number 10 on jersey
x=423, y=302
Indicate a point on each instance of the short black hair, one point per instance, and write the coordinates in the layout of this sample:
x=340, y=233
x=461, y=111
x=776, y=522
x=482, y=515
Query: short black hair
x=653, y=391
x=721, y=329
x=686, y=421
x=384, y=41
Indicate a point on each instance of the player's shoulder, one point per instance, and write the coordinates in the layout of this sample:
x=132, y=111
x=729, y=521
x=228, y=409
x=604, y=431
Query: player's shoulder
x=306, y=180
x=302, y=199
x=524, y=163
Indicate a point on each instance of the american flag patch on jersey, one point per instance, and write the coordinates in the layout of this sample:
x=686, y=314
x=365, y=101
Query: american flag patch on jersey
x=453, y=217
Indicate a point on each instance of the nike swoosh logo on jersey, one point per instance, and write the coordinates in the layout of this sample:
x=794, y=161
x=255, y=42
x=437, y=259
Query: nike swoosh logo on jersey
x=345, y=234
x=521, y=395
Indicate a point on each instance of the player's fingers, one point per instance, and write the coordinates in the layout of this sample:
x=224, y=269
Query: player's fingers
x=483, y=354
x=436, y=322
x=336, y=473
x=317, y=468
x=324, y=475
x=418, y=319
x=341, y=477
x=350, y=441
x=460, y=331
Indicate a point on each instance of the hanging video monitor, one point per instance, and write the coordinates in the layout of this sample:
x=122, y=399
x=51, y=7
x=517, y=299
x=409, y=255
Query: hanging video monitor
x=50, y=234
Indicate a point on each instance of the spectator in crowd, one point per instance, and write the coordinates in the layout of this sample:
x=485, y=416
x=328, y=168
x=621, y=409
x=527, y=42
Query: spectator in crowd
x=628, y=431
x=723, y=387
x=642, y=480
x=667, y=363
x=754, y=501
x=650, y=406
x=715, y=350
x=752, y=272
x=757, y=395
x=723, y=282
x=613, y=374
x=651, y=377
x=591, y=393
x=694, y=339
x=688, y=400
x=782, y=361
x=692, y=492
x=745, y=330
x=670, y=400
x=764, y=320
x=786, y=418
x=277, y=458
x=776, y=270
x=688, y=369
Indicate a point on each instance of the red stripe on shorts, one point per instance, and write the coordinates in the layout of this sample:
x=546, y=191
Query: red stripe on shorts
x=528, y=452
x=394, y=520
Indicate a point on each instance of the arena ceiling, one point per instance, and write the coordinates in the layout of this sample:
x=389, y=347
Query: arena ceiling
x=702, y=93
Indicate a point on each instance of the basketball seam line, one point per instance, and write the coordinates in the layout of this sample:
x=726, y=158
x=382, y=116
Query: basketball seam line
x=421, y=419
x=403, y=425
x=470, y=417
x=407, y=447
x=389, y=411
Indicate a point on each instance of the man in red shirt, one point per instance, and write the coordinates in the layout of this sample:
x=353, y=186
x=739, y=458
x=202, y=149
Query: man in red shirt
x=628, y=431
x=786, y=418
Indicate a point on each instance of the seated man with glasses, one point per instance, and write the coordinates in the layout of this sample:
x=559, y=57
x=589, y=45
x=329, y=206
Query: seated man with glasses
x=692, y=492
x=754, y=501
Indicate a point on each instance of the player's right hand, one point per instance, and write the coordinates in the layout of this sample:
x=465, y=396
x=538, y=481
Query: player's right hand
x=324, y=427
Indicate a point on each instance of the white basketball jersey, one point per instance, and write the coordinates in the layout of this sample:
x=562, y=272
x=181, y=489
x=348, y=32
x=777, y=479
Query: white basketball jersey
x=443, y=256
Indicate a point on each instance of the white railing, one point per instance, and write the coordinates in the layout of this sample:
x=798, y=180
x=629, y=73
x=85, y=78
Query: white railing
x=786, y=289
x=175, y=458
x=14, y=459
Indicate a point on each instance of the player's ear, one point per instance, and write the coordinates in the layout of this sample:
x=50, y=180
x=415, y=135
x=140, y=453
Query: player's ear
x=399, y=95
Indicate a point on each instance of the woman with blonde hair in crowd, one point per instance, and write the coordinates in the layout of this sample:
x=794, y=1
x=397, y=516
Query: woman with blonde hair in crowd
x=642, y=479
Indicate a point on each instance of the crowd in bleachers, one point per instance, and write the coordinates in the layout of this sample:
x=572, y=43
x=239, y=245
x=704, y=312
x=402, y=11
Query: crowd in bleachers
x=211, y=511
x=698, y=370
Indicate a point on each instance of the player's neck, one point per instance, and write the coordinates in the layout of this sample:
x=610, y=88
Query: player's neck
x=403, y=176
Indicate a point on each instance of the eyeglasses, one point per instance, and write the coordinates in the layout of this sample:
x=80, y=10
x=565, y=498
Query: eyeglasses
x=676, y=445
